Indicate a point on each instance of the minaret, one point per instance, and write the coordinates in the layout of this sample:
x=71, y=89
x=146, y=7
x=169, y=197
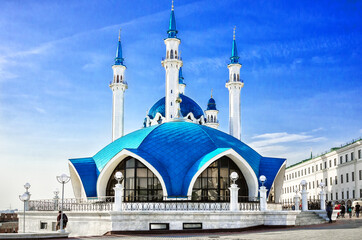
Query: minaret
x=234, y=85
x=118, y=86
x=211, y=114
x=172, y=64
x=181, y=83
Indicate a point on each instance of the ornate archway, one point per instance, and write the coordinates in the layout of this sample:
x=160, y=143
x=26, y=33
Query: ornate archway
x=214, y=182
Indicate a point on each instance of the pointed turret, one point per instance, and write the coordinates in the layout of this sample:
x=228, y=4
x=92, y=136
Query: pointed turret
x=119, y=59
x=171, y=32
x=211, y=113
x=234, y=51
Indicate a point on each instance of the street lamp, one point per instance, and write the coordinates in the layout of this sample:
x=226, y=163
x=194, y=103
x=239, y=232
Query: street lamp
x=63, y=179
x=262, y=179
x=234, y=176
x=25, y=198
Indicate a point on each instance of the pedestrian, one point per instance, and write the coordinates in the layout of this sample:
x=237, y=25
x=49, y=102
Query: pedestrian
x=349, y=211
x=329, y=210
x=65, y=220
x=343, y=210
x=357, y=207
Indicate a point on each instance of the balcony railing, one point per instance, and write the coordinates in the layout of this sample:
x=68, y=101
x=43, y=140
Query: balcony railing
x=106, y=204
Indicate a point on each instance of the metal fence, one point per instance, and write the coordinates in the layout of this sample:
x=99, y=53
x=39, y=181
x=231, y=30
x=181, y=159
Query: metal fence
x=106, y=204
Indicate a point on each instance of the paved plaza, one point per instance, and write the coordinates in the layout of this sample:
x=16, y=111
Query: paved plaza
x=343, y=229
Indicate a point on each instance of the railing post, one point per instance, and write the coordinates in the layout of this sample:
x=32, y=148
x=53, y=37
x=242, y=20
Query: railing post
x=234, y=205
x=323, y=199
x=263, y=202
x=118, y=197
x=296, y=201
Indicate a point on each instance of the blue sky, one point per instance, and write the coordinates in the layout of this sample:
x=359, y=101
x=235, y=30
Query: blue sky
x=301, y=67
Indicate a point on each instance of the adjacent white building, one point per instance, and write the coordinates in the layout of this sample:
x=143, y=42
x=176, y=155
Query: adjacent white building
x=340, y=170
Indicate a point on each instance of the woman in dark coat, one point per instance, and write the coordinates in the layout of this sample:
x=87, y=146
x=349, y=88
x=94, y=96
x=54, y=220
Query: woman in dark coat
x=329, y=210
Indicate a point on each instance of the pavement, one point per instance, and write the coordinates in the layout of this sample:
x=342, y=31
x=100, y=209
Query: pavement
x=342, y=229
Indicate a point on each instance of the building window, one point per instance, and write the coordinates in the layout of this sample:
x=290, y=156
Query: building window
x=347, y=194
x=316, y=168
x=330, y=181
x=360, y=193
x=352, y=176
x=342, y=194
x=312, y=169
x=359, y=154
x=347, y=177
x=320, y=166
x=331, y=196
x=313, y=184
x=140, y=184
x=336, y=196
x=335, y=180
x=309, y=185
x=335, y=162
x=214, y=182
x=309, y=170
x=326, y=182
x=353, y=194
x=352, y=157
x=298, y=173
x=346, y=157
x=330, y=165
x=342, y=179
x=171, y=54
x=317, y=183
x=340, y=160
x=305, y=171
x=360, y=174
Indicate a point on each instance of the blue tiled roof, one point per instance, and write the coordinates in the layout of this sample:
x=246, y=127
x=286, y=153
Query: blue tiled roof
x=177, y=150
x=88, y=173
x=187, y=105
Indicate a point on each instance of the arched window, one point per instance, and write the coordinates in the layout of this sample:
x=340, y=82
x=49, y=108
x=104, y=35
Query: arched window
x=214, y=182
x=167, y=55
x=121, y=78
x=117, y=79
x=234, y=77
x=212, y=119
x=175, y=54
x=238, y=77
x=171, y=54
x=140, y=184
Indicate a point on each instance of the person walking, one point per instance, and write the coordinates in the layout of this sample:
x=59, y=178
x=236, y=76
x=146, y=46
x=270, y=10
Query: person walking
x=343, y=210
x=65, y=220
x=357, y=207
x=349, y=211
x=329, y=210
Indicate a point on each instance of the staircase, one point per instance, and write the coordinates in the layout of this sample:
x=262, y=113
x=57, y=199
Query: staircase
x=308, y=218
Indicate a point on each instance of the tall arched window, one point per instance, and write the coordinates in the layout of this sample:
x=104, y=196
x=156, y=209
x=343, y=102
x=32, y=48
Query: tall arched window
x=212, y=119
x=121, y=78
x=238, y=77
x=214, y=182
x=175, y=54
x=234, y=77
x=117, y=79
x=140, y=184
x=171, y=54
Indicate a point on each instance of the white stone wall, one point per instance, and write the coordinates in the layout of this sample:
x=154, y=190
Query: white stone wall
x=330, y=167
x=98, y=223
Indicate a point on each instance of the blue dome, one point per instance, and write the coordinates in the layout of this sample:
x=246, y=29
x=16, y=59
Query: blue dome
x=187, y=105
x=177, y=150
x=211, y=105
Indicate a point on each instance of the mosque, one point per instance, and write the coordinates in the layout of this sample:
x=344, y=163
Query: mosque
x=179, y=153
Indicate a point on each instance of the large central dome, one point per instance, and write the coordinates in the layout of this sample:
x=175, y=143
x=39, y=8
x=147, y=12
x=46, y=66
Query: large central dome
x=187, y=106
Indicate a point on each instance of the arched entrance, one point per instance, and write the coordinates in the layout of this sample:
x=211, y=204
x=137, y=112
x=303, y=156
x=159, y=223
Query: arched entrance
x=214, y=182
x=140, y=184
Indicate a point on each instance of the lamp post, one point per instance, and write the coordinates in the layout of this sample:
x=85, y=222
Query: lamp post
x=304, y=195
x=56, y=199
x=63, y=179
x=263, y=191
x=118, y=192
x=25, y=198
x=296, y=200
x=234, y=205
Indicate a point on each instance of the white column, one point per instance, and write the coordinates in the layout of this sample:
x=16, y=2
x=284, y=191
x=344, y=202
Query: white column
x=118, y=197
x=296, y=201
x=234, y=203
x=263, y=200
x=322, y=195
x=304, y=200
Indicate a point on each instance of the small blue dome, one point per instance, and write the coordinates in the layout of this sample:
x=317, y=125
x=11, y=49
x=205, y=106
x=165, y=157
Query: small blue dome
x=211, y=105
x=187, y=105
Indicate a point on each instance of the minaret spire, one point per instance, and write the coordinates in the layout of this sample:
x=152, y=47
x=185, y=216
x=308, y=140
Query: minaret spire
x=234, y=85
x=172, y=32
x=118, y=86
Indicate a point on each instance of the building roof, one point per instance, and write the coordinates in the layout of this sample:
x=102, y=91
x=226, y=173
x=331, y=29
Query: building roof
x=187, y=105
x=177, y=150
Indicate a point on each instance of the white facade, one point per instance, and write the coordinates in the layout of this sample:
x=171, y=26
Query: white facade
x=211, y=118
x=118, y=86
x=234, y=86
x=340, y=170
x=172, y=64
